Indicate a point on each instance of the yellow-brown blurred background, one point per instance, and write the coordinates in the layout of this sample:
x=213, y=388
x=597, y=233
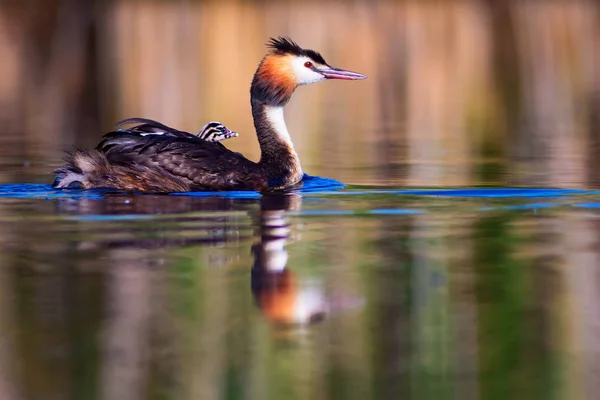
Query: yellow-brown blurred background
x=459, y=92
x=132, y=297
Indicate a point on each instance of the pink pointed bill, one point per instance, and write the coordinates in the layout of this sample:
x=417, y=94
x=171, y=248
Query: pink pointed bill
x=337, y=73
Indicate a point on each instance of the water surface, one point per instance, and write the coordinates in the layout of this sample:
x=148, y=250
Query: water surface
x=359, y=293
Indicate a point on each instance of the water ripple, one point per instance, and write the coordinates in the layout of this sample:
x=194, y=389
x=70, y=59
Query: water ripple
x=312, y=185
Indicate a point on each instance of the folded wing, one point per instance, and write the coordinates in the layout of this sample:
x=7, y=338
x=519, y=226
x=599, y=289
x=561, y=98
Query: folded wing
x=199, y=164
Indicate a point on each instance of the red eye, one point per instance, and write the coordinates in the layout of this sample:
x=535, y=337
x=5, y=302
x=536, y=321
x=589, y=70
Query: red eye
x=308, y=64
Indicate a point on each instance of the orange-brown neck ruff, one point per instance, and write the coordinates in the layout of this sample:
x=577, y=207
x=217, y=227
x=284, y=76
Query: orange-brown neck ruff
x=274, y=81
x=272, y=87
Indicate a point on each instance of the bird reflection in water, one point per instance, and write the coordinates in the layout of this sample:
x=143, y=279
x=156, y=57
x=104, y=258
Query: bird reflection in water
x=284, y=298
x=154, y=310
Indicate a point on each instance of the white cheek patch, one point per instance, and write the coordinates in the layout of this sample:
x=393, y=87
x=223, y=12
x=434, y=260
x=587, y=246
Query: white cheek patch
x=305, y=75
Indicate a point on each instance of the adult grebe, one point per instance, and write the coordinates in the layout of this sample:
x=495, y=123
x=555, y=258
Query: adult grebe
x=139, y=159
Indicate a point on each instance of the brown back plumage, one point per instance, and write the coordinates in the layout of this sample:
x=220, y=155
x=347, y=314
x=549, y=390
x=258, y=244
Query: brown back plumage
x=173, y=161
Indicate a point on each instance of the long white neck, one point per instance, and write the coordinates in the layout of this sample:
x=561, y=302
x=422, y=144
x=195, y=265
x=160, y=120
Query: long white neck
x=275, y=118
x=278, y=156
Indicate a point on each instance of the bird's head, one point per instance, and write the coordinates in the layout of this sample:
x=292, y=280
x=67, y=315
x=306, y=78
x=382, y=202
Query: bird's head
x=288, y=66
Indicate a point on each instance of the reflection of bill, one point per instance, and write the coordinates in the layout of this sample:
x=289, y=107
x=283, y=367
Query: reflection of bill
x=284, y=298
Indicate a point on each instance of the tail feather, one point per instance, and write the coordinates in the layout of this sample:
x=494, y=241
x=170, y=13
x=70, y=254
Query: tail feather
x=79, y=165
x=91, y=169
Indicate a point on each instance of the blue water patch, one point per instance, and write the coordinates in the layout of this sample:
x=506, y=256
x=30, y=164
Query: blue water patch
x=476, y=192
x=587, y=205
x=46, y=192
x=312, y=185
x=231, y=194
x=394, y=211
x=531, y=206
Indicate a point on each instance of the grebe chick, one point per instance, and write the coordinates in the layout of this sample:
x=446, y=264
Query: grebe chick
x=215, y=131
x=156, y=158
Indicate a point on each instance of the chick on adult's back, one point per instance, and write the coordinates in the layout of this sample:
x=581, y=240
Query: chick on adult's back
x=178, y=161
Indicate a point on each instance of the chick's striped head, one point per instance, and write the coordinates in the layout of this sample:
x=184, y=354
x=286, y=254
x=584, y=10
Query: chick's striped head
x=215, y=131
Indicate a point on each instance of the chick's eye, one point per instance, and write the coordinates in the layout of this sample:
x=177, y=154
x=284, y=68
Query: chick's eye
x=308, y=64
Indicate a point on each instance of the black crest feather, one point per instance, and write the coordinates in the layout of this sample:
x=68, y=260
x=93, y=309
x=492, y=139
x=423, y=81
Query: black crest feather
x=285, y=45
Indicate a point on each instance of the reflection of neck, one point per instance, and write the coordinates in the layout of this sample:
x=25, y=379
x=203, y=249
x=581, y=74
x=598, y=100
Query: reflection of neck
x=282, y=297
x=278, y=156
x=270, y=253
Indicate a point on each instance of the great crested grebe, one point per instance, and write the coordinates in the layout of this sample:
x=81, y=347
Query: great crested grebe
x=138, y=160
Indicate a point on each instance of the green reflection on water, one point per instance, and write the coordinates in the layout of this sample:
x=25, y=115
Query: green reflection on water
x=257, y=300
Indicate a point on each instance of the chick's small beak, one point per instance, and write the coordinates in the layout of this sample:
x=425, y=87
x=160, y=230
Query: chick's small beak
x=229, y=133
x=337, y=73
